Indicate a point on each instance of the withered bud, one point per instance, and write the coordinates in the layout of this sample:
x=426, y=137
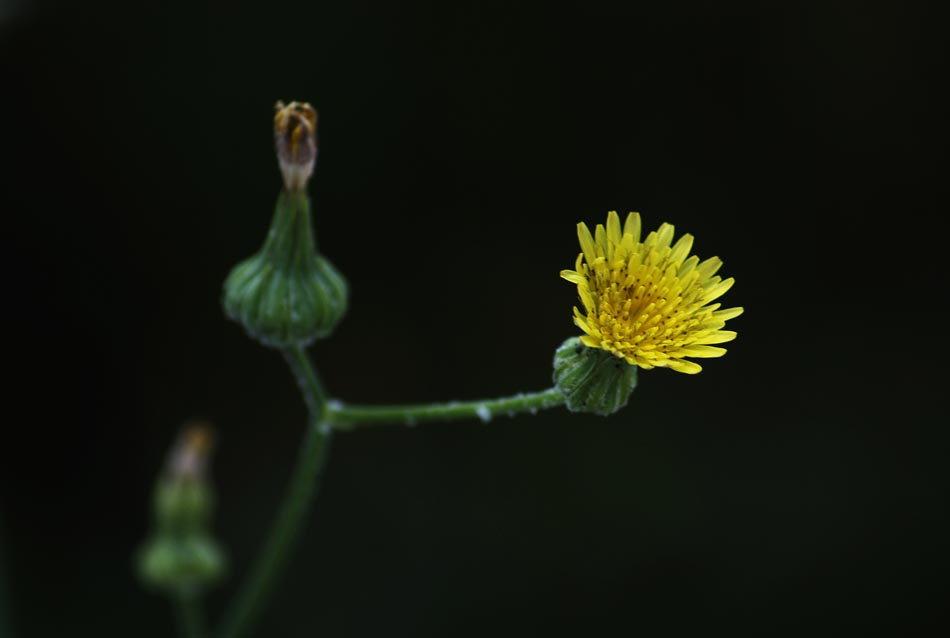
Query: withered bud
x=295, y=136
x=188, y=458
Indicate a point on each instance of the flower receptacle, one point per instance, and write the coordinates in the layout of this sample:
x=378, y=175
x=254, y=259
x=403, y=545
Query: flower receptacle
x=591, y=379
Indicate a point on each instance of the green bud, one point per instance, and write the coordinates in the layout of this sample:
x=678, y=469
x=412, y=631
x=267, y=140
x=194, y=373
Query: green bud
x=179, y=552
x=182, y=505
x=158, y=563
x=183, y=499
x=591, y=379
x=287, y=294
x=172, y=563
x=202, y=560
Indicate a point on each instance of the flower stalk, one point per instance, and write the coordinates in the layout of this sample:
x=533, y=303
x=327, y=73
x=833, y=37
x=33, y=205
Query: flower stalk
x=301, y=489
x=346, y=417
x=191, y=622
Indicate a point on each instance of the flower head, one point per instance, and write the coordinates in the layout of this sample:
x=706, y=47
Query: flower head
x=648, y=302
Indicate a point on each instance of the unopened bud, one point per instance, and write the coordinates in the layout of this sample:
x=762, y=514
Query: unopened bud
x=295, y=136
x=288, y=294
x=180, y=552
x=184, y=499
x=171, y=564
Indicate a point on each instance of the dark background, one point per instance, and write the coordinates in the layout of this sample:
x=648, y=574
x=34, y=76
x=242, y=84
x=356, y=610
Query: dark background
x=797, y=484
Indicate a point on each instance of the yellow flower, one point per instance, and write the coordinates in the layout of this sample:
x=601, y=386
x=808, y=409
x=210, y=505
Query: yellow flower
x=647, y=302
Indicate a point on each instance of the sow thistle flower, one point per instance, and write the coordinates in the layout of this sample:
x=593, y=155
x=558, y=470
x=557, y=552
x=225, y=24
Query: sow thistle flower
x=649, y=302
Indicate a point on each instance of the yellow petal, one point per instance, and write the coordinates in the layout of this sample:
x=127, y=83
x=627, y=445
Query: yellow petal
x=703, y=352
x=687, y=367
x=681, y=250
x=688, y=266
x=719, y=336
x=587, y=242
x=590, y=342
x=600, y=238
x=709, y=267
x=573, y=276
x=632, y=226
x=664, y=235
x=719, y=289
x=613, y=227
x=728, y=313
x=586, y=297
x=584, y=325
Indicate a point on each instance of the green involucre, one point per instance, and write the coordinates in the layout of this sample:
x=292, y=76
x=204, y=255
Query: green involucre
x=287, y=294
x=181, y=553
x=591, y=379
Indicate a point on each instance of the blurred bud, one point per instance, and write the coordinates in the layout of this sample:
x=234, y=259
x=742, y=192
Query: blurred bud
x=182, y=505
x=180, y=553
x=295, y=137
x=159, y=564
x=183, y=497
x=172, y=564
x=591, y=379
x=188, y=458
x=287, y=294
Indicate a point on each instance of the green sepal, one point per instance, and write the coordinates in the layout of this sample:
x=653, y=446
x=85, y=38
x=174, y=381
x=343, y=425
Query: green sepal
x=287, y=294
x=591, y=379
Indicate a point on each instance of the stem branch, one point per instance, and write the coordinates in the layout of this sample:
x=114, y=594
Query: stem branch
x=303, y=485
x=308, y=380
x=324, y=415
x=347, y=416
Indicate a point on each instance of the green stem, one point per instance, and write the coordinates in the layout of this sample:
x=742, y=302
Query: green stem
x=307, y=379
x=324, y=415
x=188, y=611
x=347, y=416
x=287, y=526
